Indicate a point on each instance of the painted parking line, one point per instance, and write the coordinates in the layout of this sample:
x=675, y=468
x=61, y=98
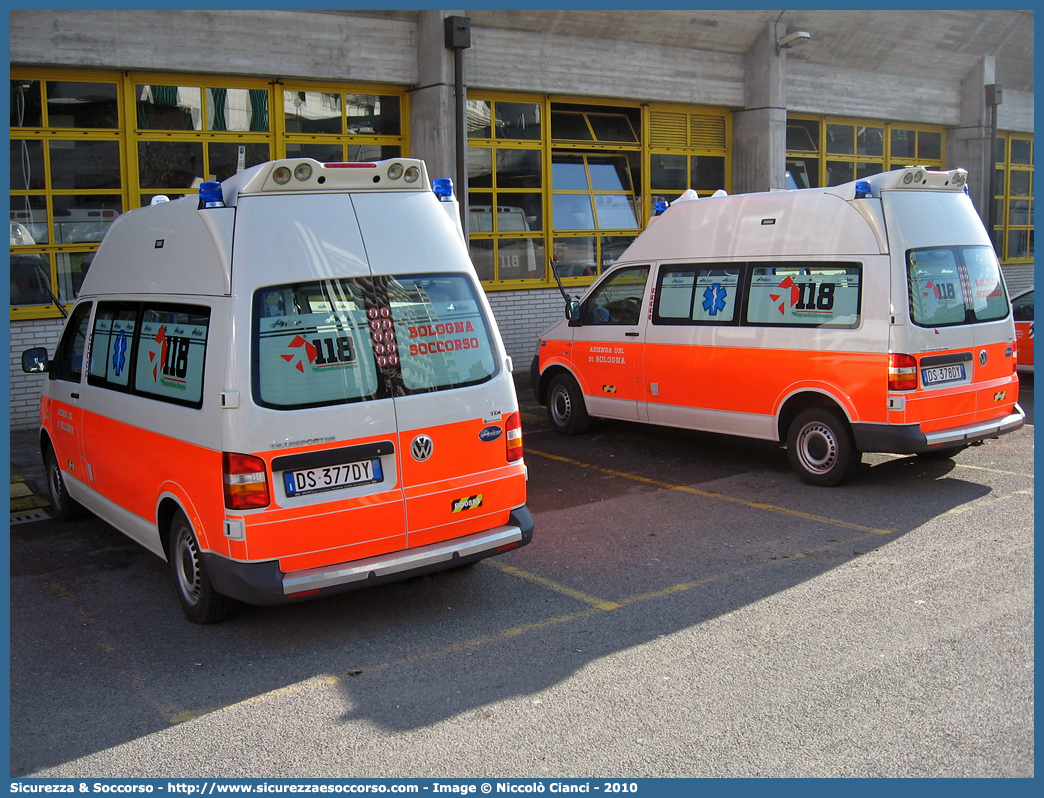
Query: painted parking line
x=708, y=494
x=597, y=603
x=595, y=606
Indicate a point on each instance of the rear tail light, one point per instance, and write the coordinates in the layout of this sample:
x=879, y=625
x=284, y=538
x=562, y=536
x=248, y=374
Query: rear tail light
x=245, y=481
x=513, y=428
x=902, y=372
x=1015, y=354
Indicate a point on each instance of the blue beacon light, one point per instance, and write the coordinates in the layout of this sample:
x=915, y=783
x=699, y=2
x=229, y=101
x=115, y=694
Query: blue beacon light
x=862, y=189
x=443, y=188
x=210, y=195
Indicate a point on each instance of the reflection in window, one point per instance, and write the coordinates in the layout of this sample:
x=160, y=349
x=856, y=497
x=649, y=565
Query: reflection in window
x=84, y=105
x=372, y=114
x=28, y=221
x=30, y=279
x=312, y=112
x=84, y=219
x=591, y=125
x=25, y=104
x=27, y=165
x=84, y=164
x=581, y=198
x=237, y=109
x=170, y=164
x=226, y=158
x=840, y=139
x=169, y=107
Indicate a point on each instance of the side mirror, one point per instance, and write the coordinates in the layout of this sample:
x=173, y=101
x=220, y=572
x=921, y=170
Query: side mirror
x=573, y=312
x=34, y=361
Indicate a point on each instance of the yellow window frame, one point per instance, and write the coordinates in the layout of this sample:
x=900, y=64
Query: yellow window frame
x=1003, y=225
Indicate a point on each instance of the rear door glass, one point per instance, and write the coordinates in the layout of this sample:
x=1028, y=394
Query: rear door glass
x=955, y=285
x=326, y=342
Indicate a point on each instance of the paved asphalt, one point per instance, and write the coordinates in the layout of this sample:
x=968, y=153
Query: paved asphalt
x=687, y=608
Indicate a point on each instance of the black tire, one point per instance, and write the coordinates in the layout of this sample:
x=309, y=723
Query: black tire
x=199, y=601
x=565, y=406
x=820, y=447
x=942, y=454
x=63, y=506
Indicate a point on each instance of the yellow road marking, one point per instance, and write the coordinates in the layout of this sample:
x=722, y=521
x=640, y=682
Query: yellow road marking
x=715, y=495
x=594, y=602
x=987, y=501
x=963, y=465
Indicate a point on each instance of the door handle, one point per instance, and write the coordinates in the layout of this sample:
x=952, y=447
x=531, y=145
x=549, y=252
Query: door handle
x=632, y=334
x=74, y=395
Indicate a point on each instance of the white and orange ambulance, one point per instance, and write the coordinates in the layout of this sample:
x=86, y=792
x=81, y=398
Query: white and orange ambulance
x=290, y=386
x=866, y=317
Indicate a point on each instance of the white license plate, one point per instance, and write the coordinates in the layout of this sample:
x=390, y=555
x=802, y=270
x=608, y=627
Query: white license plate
x=940, y=374
x=335, y=477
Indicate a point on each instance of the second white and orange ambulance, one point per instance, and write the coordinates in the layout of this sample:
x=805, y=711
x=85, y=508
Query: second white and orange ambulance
x=291, y=386
x=866, y=317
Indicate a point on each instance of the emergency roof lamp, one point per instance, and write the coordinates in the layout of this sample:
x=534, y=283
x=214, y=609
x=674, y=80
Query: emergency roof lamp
x=443, y=188
x=210, y=195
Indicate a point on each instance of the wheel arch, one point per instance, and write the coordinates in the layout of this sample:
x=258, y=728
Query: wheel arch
x=802, y=400
x=548, y=374
x=168, y=505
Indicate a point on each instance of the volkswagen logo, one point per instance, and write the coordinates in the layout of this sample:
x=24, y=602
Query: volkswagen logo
x=982, y=357
x=421, y=448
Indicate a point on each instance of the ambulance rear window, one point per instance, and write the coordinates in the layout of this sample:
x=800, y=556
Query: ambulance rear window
x=955, y=285
x=327, y=342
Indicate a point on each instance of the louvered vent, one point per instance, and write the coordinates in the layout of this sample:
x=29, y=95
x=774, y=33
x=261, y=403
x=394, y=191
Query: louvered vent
x=669, y=129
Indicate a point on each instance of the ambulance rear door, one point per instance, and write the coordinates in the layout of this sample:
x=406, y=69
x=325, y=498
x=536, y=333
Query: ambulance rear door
x=455, y=405
x=956, y=318
x=307, y=313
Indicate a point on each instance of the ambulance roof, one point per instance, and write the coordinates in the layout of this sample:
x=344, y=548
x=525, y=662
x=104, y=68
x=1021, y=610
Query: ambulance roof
x=179, y=247
x=835, y=221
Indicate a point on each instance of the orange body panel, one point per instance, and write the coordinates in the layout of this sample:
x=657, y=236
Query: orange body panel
x=1024, y=335
x=749, y=380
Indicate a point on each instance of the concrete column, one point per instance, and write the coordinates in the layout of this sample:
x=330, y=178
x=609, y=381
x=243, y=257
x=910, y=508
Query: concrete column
x=432, y=103
x=968, y=144
x=759, y=130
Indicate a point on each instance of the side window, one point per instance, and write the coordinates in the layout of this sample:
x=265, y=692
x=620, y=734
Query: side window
x=68, y=359
x=697, y=294
x=806, y=294
x=110, y=359
x=170, y=350
x=618, y=299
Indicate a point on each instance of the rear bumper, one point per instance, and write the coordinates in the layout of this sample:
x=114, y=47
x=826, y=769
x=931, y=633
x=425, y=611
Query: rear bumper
x=908, y=439
x=265, y=584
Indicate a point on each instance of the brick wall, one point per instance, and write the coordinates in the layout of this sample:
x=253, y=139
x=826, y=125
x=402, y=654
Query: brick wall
x=25, y=388
x=1018, y=277
x=522, y=316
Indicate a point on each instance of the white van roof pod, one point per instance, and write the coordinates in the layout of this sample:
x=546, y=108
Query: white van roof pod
x=910, y=178
x=833, y=221
x=289, y=175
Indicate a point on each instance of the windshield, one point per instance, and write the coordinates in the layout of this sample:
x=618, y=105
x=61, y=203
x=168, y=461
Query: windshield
x=325, y=342
x=955, y=285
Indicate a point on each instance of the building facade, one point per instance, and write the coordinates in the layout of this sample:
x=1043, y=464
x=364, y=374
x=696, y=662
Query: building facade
x=574, y=123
